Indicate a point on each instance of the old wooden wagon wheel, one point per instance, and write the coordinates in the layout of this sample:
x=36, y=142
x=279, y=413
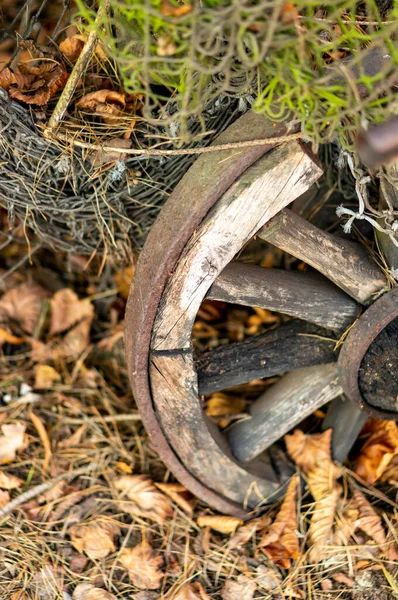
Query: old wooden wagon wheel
x=225, y=199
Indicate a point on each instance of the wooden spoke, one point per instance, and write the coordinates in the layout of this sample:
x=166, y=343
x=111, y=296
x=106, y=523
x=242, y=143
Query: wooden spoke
x=389, y=198
x=345, y=263
x=291, y=346
x=281, y=407
x=307, y=296
x=346, y=420
x=283, y=174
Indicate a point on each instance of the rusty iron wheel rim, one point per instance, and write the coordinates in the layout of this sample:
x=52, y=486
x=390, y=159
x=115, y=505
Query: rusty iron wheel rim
x=363, y=333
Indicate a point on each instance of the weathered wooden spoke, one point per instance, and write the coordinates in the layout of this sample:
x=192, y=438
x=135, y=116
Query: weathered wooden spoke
x=308, y=296
x=291, y=346
x=293, y=398
x=346, y=263
x=346, y=420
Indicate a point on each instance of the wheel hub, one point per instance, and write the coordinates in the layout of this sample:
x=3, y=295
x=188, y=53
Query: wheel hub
x=368, y=362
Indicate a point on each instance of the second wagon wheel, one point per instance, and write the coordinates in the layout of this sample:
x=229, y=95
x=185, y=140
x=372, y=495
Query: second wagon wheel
x=225, y=199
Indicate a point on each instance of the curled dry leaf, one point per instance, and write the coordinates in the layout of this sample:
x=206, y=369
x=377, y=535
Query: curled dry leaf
x=86, y=591
x=143, y=565
x=219, y=523
x=104, y=157
x=390, y=473
x=241, y=589
x=22, y=305
x=268, y=579
x=34, y=83
x=67, y=310
x=247, y=530
x=370, y=523
x=12, y=440
x=71, y=48
x=378, y=450
x=191, y=591
x=280, y=542
x=45, y=377
x=143, y=498
x=321, y=526
x=9, y=482
x=47, y=583
x=107, y=104
x=345, y=524
x=75, y=341
x=179, y=494
x=4, y=498
x=224, y=405
x=95, y=539
x=309, y=450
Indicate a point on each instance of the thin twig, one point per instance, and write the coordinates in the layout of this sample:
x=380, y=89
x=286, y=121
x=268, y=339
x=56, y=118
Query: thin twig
x=182, y=151
x=43, y=487
x=135, y=416
x=78, y=69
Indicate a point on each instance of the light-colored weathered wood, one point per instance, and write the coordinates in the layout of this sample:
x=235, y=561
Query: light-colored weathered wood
x=308, y=296
x=263, y=190
x=346, y=420
x=293, y=398
x=345, y=263
x=389, y=198
x=174, y=383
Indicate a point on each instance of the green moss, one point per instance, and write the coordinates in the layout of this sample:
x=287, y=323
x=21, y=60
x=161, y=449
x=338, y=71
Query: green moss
x=289, y=60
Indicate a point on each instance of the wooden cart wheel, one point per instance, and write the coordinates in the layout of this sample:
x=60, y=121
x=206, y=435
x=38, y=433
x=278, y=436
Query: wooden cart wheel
x=225, y=199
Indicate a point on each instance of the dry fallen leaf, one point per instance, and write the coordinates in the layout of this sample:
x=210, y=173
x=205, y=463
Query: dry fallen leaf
x=247, y=530
x=104, y=157
x=378, y=450
x=370, y=523
x=96, y=539
x=86, y=591
x=309, y=450
x=219, y=523
x=268, y=579
x=224, y=405
x=179, y=494
x=139, y=497
x=47, y=583
x=107, y=104
x=390, y=473
x=124, y=467
x=9, y=482
x=71, y=47
x=12, y=440
x=191, y=591
x=168, y=9
x=22, y=304
x=7, y=338
x=67, y=310
x=45, y=377
x=241, y=589
x=4, y=498
x=123, y=280
x=75, y=341
x=143, y=566
x=280, y=542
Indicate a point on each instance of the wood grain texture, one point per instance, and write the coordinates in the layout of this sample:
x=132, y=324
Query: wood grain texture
x=389, y=198
x=345, y=263
x=293, y=398
x=291, y=346
x=263, y=190
x=176, y=394
x=308, y=296
x=346, y=420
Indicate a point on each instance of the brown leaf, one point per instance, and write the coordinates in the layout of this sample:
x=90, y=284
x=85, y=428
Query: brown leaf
x=86, y=591
x=12, y=440
x=71, y=47
x=9, y=482
x=370, y=523
x=346, y=524
x=268, y=579
x=22, y=304
x=107, y=104
x=7, y=338
x=143, y=566
x=378, y=450
x=223, y=405
x=45, y=377
x=241, y=589
x=34, y=84
x=168, y=9
x=246, y=531
x=280, y=542
x=191, y=591
x=123, y=280
x=67, y=310
x=179, y=494
x=47, y=582
x=143, y=498
x=96, y=539
x=219, y=523
x=4, y=498
x=390, y=473
x=321, y=526
x=343, y=578
x=309, y=450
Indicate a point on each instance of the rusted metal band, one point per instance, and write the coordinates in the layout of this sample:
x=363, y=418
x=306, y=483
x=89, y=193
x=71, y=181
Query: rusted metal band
x=372, y=322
